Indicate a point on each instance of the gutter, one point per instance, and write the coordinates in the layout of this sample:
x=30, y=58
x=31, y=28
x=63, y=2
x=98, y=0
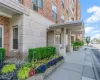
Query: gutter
x=96, y=65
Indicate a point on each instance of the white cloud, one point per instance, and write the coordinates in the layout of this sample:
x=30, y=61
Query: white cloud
x=96, y=31
x=96, y=36
x=95, y=17
x=88, y=29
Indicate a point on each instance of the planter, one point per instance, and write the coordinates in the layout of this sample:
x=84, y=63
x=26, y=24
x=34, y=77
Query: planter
x=44, y=75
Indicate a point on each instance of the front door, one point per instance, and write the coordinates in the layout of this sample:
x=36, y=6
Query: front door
x=15, y=38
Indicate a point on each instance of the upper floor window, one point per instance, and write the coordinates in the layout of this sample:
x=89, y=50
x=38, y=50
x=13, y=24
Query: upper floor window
x=54, y=11
x=62, y=18
x=36, y=4
x=40, y=3
x=67, y=9
x=62, y=2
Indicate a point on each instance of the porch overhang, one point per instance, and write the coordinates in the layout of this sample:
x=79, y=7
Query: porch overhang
x=76, y=27
x=11, y=7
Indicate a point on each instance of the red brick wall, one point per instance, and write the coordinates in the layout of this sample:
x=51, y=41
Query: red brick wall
x=47, y=8
x=27, y=3
x=5, y=22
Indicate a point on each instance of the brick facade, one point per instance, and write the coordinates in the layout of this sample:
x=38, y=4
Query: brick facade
x=5, y=22
x=46, y=11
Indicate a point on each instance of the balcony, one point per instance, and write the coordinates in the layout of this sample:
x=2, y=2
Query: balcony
x=11, y=7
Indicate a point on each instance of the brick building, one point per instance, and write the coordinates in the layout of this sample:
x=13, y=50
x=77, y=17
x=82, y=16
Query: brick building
x=28, y=24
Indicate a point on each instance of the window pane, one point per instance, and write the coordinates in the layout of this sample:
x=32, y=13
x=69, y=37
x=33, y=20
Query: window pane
x=54, y=8
x=40, y=3
x=34, y=1
x=35, y=7
x=15, y=38
x=54, y=12
x=0, y=37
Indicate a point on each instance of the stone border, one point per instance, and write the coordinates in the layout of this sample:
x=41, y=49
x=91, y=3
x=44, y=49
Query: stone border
x=43, y=76
x=95, y=63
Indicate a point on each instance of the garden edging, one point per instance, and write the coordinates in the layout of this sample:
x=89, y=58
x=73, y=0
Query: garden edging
x=42, y=76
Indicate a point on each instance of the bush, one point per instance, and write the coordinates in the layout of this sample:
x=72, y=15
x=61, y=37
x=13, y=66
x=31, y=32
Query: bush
x=23, y=73
x=77, y=44
x=2, y=54
x=8, y=68
x=41, y=53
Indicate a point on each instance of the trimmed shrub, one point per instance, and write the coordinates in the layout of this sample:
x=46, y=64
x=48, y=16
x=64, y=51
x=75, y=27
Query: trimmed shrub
x=41, y=53
x=2, y=54
x=8, y=68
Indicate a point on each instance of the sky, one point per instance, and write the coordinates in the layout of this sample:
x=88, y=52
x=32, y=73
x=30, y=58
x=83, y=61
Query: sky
x=90, y=12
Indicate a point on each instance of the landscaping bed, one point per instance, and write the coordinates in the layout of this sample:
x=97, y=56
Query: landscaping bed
x=77, y=44
x=41, y=62
x=44, y=75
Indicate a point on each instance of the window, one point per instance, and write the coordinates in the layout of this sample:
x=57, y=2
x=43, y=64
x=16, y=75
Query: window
x=62, y=18
x=67, y=9
x=15, y=38
x=36, y=4
x=58, y=38
x=54, y=12
x=62, y=2
x=40, y=3
x=1, y=37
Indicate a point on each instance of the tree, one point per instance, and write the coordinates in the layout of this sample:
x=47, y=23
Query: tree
x=87, y=40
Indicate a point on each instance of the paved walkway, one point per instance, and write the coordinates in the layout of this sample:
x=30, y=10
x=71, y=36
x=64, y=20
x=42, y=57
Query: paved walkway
x=77, y=66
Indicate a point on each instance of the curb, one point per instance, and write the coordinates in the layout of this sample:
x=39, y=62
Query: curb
x=95, y=64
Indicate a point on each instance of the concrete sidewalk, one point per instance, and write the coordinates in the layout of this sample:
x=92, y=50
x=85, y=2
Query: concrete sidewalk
x=77, y=66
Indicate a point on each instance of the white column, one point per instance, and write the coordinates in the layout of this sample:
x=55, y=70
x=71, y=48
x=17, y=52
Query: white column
x=69, y=41
x=63, y=39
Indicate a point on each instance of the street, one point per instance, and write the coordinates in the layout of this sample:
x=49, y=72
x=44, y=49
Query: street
x=96, y=52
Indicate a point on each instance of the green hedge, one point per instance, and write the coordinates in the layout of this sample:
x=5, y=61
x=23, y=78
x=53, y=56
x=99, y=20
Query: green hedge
x=2, y=54
x=77, y=44
x=41, y=53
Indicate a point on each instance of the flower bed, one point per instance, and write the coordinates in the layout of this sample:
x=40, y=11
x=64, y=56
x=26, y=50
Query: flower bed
x=40, y=62
x=37, y=67
x=48, y=71
x=45, y=66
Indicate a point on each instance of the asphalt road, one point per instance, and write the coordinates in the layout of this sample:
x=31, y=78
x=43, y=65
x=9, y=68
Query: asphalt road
x=97, y=54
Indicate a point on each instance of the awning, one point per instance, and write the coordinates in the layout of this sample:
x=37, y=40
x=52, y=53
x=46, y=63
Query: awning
x=11, y=7
x=76, y=27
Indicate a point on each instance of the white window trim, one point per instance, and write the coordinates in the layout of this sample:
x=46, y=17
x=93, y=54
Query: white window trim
x=1, y=26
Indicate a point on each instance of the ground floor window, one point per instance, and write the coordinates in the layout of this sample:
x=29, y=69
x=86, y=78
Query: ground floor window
x=58, y=38
x=1, y=37
x=15, y=38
